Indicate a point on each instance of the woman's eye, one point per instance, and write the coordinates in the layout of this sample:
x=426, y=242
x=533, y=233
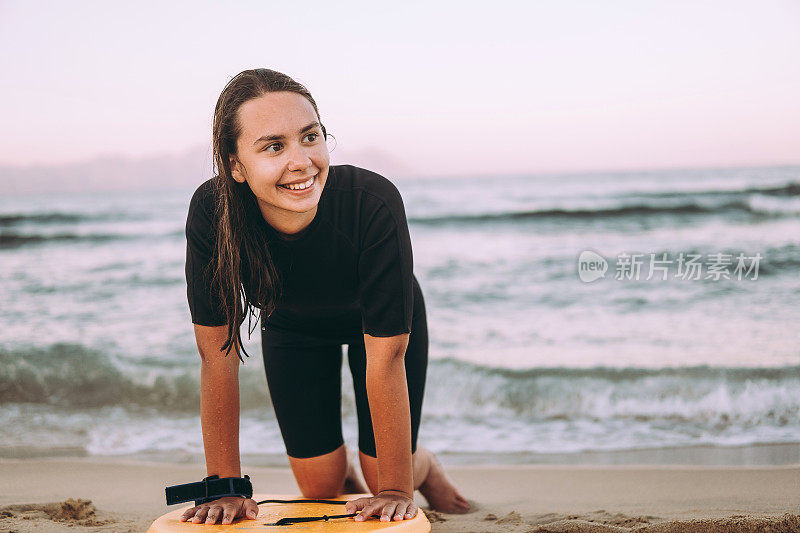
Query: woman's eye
x=277, y=147
x=313, y=136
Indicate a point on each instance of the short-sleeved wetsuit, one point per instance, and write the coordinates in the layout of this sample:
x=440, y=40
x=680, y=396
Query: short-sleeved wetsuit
x=348, y=273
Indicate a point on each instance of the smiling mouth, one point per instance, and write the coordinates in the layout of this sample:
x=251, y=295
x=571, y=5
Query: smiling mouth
x=304, y=186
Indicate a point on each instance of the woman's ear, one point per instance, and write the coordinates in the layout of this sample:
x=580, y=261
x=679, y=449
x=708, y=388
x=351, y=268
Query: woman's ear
x=236, y=170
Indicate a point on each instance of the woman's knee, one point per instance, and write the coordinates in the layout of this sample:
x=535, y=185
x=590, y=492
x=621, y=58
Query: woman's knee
x=321, y=476
x=420, y=466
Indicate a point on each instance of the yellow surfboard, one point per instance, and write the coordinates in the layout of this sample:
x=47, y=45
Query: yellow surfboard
x=269, y=513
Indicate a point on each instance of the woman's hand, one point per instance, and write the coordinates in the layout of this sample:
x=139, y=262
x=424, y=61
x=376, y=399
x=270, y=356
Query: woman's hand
x=390, y=504
x=229, y=508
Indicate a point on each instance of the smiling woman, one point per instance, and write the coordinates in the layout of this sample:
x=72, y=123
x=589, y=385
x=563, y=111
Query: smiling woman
x=324, y=254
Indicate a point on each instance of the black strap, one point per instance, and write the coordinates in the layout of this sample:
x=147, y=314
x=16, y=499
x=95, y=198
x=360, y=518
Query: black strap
x=335, y=502
x=294, y=520
x=211, y=488
x=287, y=521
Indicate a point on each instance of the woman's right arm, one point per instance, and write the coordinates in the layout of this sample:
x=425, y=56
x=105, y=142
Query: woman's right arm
x=219, y=401
x=219, y=416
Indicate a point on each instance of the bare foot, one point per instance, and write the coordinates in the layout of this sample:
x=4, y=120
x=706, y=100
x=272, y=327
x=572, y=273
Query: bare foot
x=440, y=492
x=352, y=482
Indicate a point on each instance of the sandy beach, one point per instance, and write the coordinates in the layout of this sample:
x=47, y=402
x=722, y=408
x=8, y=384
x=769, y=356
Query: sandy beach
x=53, y=495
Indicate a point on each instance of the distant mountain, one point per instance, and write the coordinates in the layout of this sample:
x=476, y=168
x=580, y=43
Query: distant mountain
x=178, y=171
x=373, y=159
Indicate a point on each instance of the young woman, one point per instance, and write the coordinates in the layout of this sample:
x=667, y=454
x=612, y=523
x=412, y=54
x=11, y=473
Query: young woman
x=324, y=253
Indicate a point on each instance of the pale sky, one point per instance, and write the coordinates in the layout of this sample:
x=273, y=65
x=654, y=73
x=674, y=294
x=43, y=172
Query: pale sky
x=445, y=87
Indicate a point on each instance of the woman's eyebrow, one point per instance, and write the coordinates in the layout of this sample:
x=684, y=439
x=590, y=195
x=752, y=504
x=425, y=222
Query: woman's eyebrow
x=279, y=137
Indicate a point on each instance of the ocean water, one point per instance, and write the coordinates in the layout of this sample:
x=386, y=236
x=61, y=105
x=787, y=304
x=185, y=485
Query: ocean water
x=528, y=357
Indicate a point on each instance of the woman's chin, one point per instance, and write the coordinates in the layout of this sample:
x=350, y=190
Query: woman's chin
x=300, y=205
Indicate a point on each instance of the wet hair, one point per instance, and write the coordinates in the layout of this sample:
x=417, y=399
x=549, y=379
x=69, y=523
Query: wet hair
x=241, y=255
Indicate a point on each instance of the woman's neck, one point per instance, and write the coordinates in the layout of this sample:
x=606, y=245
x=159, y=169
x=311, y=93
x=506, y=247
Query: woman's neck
x=288, y=224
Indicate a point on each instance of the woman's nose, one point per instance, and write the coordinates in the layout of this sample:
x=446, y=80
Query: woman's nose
x=298, y=158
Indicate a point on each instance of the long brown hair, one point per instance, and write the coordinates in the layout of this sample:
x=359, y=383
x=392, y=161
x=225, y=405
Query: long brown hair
x=241, y=254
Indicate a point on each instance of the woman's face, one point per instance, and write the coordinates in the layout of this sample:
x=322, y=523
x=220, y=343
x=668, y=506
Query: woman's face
x=282, y=143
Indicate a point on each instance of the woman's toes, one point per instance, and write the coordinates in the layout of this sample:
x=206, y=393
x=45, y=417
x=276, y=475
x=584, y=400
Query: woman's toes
x=462, y=506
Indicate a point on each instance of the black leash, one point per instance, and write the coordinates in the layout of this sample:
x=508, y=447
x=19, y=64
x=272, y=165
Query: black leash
x=287, y=521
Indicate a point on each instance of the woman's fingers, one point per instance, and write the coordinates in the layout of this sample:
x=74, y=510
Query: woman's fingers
x=227, y=508
x=213, y=513
x=250, y=509
x=368, y=510
x=188, y=514
x=231, y=510
x=388, y=511
x=399, y=512
x=200, y=514
x=356, y=505
x=411, y=512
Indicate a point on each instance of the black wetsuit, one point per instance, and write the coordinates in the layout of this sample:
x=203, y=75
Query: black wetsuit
x=348, y=273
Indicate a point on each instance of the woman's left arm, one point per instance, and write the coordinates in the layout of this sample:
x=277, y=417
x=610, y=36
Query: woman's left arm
x=385, y=273
x=387, y=392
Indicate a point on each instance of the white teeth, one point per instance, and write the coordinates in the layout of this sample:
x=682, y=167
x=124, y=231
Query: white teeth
x=300, y=186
